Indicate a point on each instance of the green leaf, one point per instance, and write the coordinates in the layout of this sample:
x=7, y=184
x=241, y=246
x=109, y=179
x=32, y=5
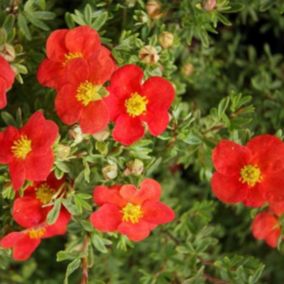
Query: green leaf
x=23, y=26
x=100, y=21
x=72, y=266
x=54, y=212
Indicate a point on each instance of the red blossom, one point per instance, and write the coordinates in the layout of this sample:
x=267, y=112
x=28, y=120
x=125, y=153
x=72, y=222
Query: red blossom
x=32, y=208
x=80, y=100
x=266, y=227
x=7, y=77
x=252, y=174
x=130, y=211
x=25, y=242
x=28, y=151
x=133, y=104
x=62, y=47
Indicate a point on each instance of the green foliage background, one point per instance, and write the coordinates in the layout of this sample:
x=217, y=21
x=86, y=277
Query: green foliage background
x=227, y=66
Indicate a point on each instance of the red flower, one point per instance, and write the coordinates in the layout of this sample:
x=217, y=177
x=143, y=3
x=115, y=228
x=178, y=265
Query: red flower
x=81, y=99
x=32, y=208
x=7, y=77
x=252, y=174
x=129, y=211
x=266, y=227
x=28, y=151
x=132, y=104
x=62, y=47
x=24, y=243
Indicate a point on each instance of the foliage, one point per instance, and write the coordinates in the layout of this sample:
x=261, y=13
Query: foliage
x=227, y=68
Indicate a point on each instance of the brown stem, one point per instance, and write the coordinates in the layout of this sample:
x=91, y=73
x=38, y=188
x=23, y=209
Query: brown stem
x=214, y=280
x=85, y=274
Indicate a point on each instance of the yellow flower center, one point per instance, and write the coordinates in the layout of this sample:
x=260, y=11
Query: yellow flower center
x=36, y=233
x=44, y=193
x=136, y=105
x=131, y=213
x=71, y=55
x=21, y=147
x=251, y=175
x=87, y=92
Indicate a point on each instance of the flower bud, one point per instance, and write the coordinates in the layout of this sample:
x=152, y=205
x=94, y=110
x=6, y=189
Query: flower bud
x=153, y=8
x=8, y=52
x=63, y=151
x=130, y=3
x=166, y=39
x=135, y=167
x=102, y=135
x=110, y=171
x=209, y=5
x=76, y=134
x=187, y=69
x=149, y=55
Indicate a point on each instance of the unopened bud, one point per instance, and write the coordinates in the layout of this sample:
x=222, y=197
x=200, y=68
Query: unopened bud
x=76, y=134
x=187, y=69
x=102, y=135
x=135, y=167
x=110, y=171
x=166, y=39
x=62, y=151
x=8, y=52
x=153, y=8
x=130, y=3
x=209, y=5
x=149, y=55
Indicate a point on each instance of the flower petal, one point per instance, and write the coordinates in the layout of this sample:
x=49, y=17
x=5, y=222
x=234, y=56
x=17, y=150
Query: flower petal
x=17, y=173
x=103, y=194
x=82, y=39
x=135, y=232
x=60, y=226
x=94, y=118
x=66, y=105
x=3, y=95
x=10, y=240
x=228, y=189
x=127, y=130
x=273, y=186
x=157, y=122
x=9, y=135
x=55, y=45
x=41, y=131
x=160, y=93
x=256, y=196
x=38, y=167
x=125, y=81
x=157, y=213
x=264, y=224
x=24, y=248
x=268, y=153
x=102, y=66
x=77, y=71
x=50, y=73
x=229, y=157
x=149, y=190
x=27, y=212
x=106, y=218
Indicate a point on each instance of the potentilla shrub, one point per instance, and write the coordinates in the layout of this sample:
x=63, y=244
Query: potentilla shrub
x=141, y=141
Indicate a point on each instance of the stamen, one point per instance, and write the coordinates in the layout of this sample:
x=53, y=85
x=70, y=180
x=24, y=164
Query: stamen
x=136, y=105
x=251, y=175
x=132, y=213
x=88, y=92
x=21, y=147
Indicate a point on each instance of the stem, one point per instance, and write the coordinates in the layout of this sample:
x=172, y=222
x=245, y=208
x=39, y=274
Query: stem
x=85, y=274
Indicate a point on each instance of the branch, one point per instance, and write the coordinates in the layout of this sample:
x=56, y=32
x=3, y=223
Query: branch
x=85, y=274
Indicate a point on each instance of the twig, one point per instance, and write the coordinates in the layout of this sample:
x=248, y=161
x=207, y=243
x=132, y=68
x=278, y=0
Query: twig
x=85, y=274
